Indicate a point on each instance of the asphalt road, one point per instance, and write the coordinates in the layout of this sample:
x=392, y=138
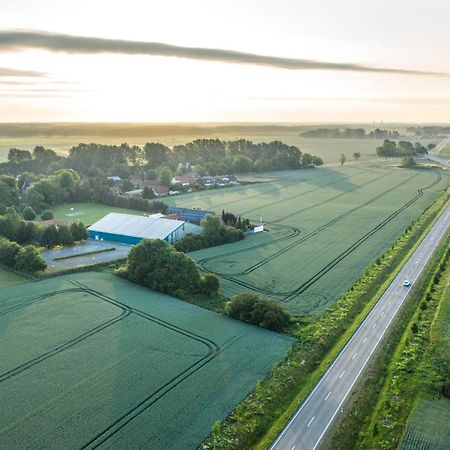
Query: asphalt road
x=312, y=420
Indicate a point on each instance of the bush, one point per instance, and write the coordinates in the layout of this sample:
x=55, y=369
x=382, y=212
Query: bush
x=210, y=284
x=28, y=213
x=47, y=215
x=157, y=265
x=78, y=231
x=65, y=235
x=190, y=243
x=264, y=313
x=29, y=260
x=8, y=251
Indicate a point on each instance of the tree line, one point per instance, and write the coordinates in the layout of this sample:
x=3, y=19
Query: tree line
x=210, y=156
x=14, y=228
x=350, y=133
x=401, y=149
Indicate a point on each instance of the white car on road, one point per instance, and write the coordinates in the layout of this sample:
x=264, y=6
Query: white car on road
x=407, y=283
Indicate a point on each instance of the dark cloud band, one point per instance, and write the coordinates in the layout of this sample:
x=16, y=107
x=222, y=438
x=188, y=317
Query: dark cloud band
x=19, y=40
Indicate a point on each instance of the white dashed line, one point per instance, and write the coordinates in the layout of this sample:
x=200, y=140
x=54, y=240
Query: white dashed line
x=365, y=339
x=382, y=312
x=374, y=325
x=310, y=422
x=354, y=356
x=329, y=393
x=342, y=374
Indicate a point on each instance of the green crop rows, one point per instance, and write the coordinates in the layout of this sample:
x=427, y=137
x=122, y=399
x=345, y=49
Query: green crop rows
x=429, y=426
x=91, y=360
x=326, y=226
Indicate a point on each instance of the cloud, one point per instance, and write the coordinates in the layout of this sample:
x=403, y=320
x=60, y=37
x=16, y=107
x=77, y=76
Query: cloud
x=20, y=40
x=7, y=72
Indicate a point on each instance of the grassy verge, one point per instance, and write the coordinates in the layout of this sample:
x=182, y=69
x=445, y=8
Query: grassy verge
x=405, y=367
x=94, y=252
x=256, y=421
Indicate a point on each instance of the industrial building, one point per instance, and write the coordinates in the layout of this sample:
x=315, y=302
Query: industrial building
x=131, y=229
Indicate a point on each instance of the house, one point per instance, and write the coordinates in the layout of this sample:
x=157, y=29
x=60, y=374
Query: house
x=160, y=191
x=184, y=180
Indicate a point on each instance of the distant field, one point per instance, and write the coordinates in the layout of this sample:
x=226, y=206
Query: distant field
x=445, y=152
x=328, y=149
x=90, y=360
x=8, y=278
x=326, y=226
x=428, y=426
x=88, y=213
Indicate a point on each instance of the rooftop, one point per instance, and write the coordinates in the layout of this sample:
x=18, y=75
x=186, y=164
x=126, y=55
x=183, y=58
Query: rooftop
x=145, y=227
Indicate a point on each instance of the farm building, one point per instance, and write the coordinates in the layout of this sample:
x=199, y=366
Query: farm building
x=131, y=229
x=189, y=214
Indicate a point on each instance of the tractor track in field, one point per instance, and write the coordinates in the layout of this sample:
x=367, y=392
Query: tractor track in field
x=290, y=295
x=213, y=350
x=125, y=313
x=301, y=239
x=301, y=194
x=289, y=184
x=294, y=230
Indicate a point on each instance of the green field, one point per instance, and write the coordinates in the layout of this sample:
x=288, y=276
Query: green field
x=445, y=152
x=8, y=278
x=90, y=360
x=326, y=226
x=88, y=213
x=428, y=426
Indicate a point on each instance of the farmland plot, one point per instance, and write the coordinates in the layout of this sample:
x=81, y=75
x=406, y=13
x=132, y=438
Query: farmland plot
x=326, y=226
x=90, y=360
x=428, y=426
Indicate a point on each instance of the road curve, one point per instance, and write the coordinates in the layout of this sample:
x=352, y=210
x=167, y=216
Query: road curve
x=312, y=420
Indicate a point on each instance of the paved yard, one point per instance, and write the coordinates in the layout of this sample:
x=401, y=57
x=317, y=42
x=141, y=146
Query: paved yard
x=78, y=257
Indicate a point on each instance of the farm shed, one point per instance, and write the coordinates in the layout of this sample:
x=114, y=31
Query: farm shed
x=131, y=229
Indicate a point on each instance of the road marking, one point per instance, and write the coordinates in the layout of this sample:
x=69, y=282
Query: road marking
x=329, y=393
x=365, y=339
x=354, y=356
x=310, y=422
x=382, y=312
x=396, y=292
x=374, y=325
x=342, y=374
x=293, y=447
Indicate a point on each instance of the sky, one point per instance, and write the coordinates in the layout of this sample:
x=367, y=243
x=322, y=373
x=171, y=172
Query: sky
x=225, y=61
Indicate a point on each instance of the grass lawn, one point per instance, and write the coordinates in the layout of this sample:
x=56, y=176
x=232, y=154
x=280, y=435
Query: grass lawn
x=88, y=213
x=8, y=278
x=90, y=360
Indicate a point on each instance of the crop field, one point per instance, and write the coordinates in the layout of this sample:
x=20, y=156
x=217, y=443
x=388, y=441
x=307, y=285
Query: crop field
x=8, y=278
x=326, y=226
x=90, y=360
x=428, y=426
